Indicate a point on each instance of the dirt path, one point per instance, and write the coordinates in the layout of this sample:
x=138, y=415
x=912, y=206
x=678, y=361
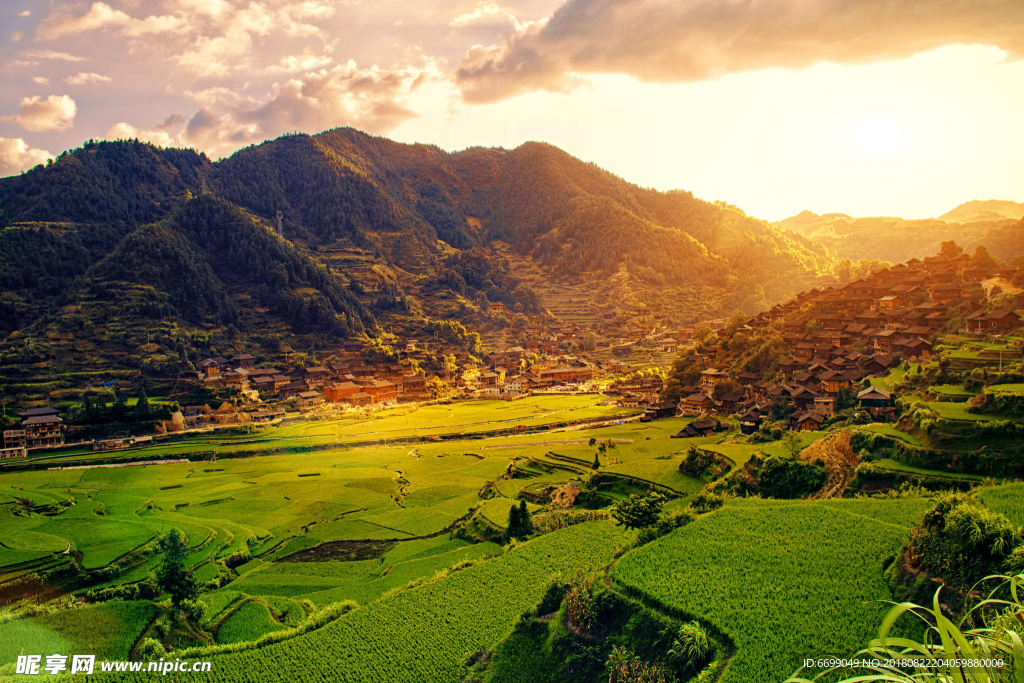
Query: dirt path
x=840, y=462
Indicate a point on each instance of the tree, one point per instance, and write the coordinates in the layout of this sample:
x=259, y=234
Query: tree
x=844, y=399
x=593, y=440
x=792, y=443
x=985, y=261
x=597, y=462
x=950, y=249
x=725, y=388
x=173, y=577
x=589, y=341
x=525, y=521
x=638, y=512
x=519, y=523
x=436, y=386
x=120, y=403
x=142, y=410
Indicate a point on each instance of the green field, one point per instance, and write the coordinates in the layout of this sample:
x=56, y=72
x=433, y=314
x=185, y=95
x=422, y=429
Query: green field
x=1008, y=500
x=785, y=580
x=107, y=631
x=424, y=634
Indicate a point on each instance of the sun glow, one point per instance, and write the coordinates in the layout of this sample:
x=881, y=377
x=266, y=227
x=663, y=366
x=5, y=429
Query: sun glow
x=879, y=136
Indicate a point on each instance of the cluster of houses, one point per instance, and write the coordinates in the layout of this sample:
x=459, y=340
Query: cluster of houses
x=893, y=311
x=809, y=390
x=40, y=427
x=350, y=382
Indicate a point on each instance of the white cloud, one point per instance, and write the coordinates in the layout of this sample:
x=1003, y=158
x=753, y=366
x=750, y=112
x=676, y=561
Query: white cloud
x=50, y=54
x=25, y=13
x=304, y=62
x=87, y=78
x=16, y=156
x=102, y=15
x=56, y=113
x=230, y=46
x=371, y=99
x=41, y=80
x=126, y=131
x=484, y=13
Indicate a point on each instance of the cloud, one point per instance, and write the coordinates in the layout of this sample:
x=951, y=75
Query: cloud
x=230, y=45
x=484, y=13
x=56, y=112
x=371, y=99
x=126, y=131
x=41, y=80
x=102, y=15
x=25, y=13
x=16, y=156
x=690, y=40
x=87, y=78
x=50, y=54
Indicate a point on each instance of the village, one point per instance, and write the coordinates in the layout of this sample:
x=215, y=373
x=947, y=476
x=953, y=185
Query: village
x=836, y=338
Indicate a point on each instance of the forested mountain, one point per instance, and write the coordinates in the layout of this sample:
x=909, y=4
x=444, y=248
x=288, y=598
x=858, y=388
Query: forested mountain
x=116, y=233
x=970, y=224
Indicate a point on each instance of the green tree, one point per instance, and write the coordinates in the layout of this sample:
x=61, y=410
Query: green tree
x=845, y=399
x=597, y=462
x=436, y=386
x=142, y=409
x=638, y=512
x=173, y=577
x=792, y=443
x=120, y=403
x=525, y=521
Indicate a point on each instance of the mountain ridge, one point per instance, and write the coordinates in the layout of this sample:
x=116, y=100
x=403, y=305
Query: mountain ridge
x=378, y=233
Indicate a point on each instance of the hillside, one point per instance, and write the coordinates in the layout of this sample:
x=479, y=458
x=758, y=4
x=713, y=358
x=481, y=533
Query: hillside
x=872, y=237
x=988, y=210
x=375, y=232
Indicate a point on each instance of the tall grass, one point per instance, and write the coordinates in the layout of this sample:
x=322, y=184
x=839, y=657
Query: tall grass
x=985, y=646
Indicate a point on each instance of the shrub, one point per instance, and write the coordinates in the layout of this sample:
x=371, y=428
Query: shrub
x=961, y=542
x=691, y=648
x=706, y=502
x=151, y=649
x=783, y=478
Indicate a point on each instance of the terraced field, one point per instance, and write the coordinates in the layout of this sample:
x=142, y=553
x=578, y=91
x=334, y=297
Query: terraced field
x=737, y=568
x=425, y=633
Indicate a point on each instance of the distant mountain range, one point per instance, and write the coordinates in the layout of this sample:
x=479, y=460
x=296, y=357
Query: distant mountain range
x=128, y=254
x=995, y=223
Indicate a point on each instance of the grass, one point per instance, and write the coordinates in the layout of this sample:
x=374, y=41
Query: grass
x=958, y=411
x=423, y=634
x=1008, y=500
x=107, y=630
x=785, y=580
x=249, y=622
x=895, y=466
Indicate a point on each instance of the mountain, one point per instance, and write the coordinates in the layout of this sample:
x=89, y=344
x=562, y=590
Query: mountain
x=900, y=239
x=990, y=210
x=122, y=252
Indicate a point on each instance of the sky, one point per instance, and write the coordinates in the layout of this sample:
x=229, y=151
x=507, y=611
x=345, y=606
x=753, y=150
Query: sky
x=867, y=107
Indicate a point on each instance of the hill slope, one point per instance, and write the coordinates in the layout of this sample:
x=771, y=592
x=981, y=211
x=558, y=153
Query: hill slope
x=873, y=237
x=375, y=230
